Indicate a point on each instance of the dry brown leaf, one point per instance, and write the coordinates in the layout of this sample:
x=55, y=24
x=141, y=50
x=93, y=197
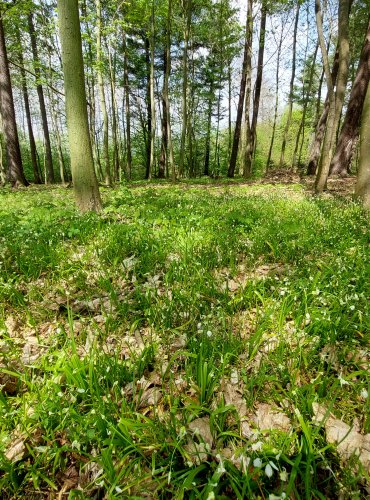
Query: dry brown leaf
x=347, y=440
x=201, y=427
x=271, y=418
x=16, y=450
x=234, y=397
x=150, y=397
x=197, y=452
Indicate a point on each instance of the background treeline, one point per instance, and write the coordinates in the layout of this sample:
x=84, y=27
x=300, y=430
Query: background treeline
x=185, y=88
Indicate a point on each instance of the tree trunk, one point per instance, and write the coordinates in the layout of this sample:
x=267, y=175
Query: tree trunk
x=335, y=99
x=103, y=104
x=152, y=96
x=246, y=158
x=251, y=147
x=341, y=162
x=164, y=144
x=239, y=116
x=126, y=84
x=148, y=142
x=291, y=88
x=276, y=101
x=187, y=7
x=208, y=135
x=36, y=64
x=35, y=167
x=82, y=164
x=15, y=173
x=170, y=156
x=362, y=190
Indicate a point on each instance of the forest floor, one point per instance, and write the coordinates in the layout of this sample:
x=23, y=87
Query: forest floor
x=191, y=341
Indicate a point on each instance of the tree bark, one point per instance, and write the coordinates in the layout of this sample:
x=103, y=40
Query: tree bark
x=246, y=158
x=341, y=162
x=187, y=6
x=35, y=167
x=126, y=84
x=362, y=190
x=82, y=164
x=50, y=178
x=268, y=162
x=152, y=96
x=15, y=172
x=251, y=147
x=335, y=98
x=291, y=87
x=239, y=116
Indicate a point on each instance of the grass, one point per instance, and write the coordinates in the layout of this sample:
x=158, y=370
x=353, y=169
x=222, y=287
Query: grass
x=181, y=306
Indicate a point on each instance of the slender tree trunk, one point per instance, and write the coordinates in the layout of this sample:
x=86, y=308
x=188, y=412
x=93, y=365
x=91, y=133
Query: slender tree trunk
x=152, y=96
x=82, y=164
x=170, y=155
x=307, y=94
x=163, y=160
x=276, y=101
x=341, y=162
x=148, y=142
x=251, y=147
x=291, y=87
x=36, y=62
x=35, y=167
x=187, y=7
x=103, y=104
x=208, y=135
x=128, y=109
x=115, y=131
x=239, y=116
x=15, y=173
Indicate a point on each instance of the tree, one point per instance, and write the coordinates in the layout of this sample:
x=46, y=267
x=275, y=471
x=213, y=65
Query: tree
x=362, y=190
x=82, y=166
x=246, y=67
x=15, y=173
x=341, y=162
x=40, y=92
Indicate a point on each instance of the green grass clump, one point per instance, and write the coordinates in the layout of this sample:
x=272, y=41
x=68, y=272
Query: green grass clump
x=180, y=306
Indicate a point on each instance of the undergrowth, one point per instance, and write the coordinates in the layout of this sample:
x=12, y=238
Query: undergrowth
x=178, y=305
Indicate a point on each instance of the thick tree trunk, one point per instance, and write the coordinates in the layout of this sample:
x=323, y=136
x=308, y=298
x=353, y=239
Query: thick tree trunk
x=44, y=119
x=82, y=164
x=362, y=190
x=164, y=143
x=325, y=159
x=15, y=168
x=246, y=158
x=103, y=104
x=208, y=135
x=341, y=162
x=239, y=116
x=291, y=88
x=170, y=155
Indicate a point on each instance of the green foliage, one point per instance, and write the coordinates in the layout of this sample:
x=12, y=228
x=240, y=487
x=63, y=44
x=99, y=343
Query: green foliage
x=180, y=287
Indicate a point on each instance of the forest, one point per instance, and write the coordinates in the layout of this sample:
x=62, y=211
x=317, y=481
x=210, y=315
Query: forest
x=184, y=249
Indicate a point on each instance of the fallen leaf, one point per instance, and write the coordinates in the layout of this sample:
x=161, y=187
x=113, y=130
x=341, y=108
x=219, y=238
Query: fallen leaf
x=271, y=418
x=16, y=450
x=201, y=427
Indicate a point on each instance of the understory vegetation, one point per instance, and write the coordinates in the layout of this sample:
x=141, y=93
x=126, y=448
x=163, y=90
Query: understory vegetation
x=191, y=341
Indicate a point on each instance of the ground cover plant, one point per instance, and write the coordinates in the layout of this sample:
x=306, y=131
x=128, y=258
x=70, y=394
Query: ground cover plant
x=191, y=341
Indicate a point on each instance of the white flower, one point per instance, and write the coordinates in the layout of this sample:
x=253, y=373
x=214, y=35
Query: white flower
x=118, y=489
x=209, y=333
x=283, y=476
x=342, y=381
x=364, y=394
x=211, y=496
x=257, y=462
x=257, y=446
x=268, y=470
x=199, y=326
x=352, y=308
